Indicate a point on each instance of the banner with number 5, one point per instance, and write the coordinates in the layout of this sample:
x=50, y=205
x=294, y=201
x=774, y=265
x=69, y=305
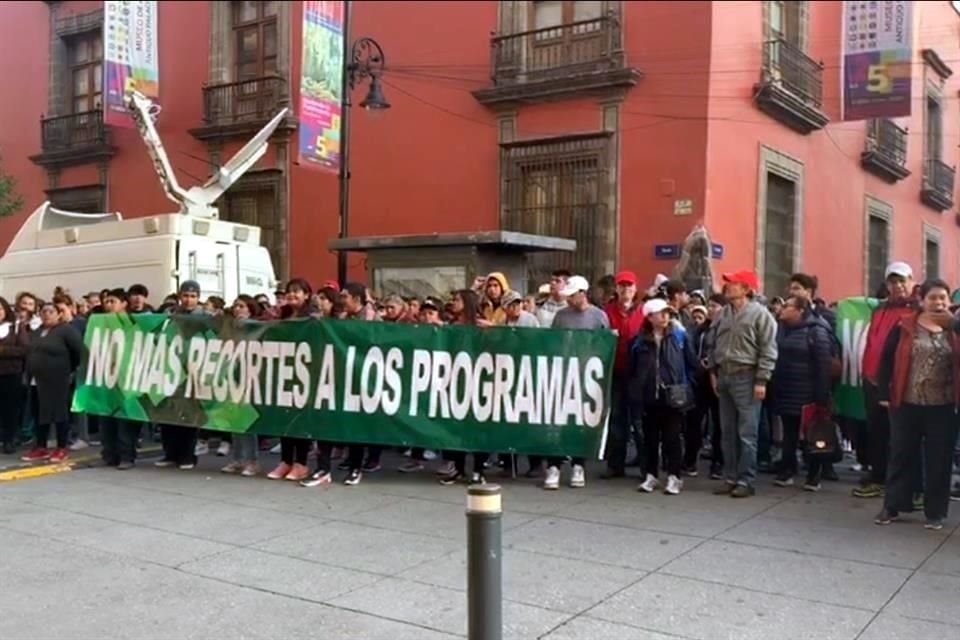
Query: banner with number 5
x=877, y=58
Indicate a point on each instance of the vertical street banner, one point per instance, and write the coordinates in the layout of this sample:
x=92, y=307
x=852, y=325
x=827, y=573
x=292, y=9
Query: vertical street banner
x=877, y=58
x=853, y=323
x=321, y=77
x=129, y=56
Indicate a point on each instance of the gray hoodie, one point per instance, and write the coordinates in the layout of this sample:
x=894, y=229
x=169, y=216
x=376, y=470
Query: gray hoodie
x=748, y=338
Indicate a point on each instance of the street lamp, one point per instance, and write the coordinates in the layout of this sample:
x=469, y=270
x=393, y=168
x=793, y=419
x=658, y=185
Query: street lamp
x=366, y=61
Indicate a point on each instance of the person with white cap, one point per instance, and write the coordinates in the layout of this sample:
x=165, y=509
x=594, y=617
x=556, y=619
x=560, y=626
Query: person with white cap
x=900, y=304
x=578, y=314
x=663, y=365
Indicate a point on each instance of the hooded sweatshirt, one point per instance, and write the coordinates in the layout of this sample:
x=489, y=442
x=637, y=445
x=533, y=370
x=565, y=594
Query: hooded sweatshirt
x=495, y=314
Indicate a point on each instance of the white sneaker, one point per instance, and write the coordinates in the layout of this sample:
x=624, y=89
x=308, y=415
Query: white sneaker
x=430, y=454
x=674, y=485
x=224, y=449
x=856, y=466
x=201, y=449
x=650, y=484
x=578, y=479
x=552, y=481
x=276, y=449
x=447, y=468
x=79, y=445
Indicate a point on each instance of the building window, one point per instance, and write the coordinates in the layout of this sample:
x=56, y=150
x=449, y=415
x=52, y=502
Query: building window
x=787, y=20
x=257, y=207
x=779, y=236
x=931, y=252
x=933, y=116
x=878, y=234
x=85, y=57
x=560, y=188
x=553, y=13
x=255, y=39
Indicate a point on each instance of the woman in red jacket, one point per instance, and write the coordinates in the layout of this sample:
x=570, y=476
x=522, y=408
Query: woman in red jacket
x=919, y=380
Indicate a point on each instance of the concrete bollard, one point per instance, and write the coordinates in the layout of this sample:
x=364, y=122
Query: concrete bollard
x=484, y=563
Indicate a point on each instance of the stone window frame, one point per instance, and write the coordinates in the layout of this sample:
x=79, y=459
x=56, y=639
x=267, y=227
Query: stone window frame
x=62, y=28
x=874, y=207
x=786, y=166
x=932, y=233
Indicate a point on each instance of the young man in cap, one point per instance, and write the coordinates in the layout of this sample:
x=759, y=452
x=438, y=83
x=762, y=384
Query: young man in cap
x=625, y=315
x=179, y=443
x=515, y=314
x=742, y=363
x=548, y=310
x=900, y=303
x=579, y=314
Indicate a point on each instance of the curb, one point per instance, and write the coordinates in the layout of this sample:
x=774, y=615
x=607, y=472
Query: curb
x=28, y=471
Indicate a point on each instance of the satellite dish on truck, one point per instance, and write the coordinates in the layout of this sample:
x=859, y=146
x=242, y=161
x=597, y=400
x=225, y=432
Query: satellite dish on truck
x=84, y=252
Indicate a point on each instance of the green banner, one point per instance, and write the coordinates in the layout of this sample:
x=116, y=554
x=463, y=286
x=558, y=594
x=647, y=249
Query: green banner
x=534, y=391
x=853, y=322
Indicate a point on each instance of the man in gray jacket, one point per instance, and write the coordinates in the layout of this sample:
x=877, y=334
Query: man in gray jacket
x=742, y=364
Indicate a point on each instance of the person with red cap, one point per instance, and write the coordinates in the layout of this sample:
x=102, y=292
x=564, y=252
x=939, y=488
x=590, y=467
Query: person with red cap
x=742, y=363
x=625, y=314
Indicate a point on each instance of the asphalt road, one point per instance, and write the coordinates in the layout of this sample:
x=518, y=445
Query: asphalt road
x=150, y=553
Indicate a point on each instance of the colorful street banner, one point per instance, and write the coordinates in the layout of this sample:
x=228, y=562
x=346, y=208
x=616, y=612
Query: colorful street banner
x=498, y=389
x=853, y=323
x=877, y=58
x=321, y=75
x=129, y=56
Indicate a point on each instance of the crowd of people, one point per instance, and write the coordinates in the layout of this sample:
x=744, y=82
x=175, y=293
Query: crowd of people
x=728, y=377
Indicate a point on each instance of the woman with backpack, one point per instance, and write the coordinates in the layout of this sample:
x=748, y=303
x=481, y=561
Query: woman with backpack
x=802, y=377
x=663, y=366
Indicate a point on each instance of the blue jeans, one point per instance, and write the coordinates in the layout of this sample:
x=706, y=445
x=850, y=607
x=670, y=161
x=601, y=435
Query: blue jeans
x=739, y=424
x=245, y=447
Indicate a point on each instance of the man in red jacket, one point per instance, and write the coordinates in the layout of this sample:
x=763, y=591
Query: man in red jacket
x=626, y=318
x=899, y=304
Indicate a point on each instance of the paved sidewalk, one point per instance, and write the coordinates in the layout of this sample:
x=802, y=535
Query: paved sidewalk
x=97, y=553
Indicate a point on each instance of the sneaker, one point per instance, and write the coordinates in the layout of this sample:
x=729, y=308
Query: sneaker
x=955, y=494
x=186, y=466
x=447, y=468
x=742, y=491
x=933, y=524
x=725, y=489
x=276, y=449
x=477, y=478
x=691, y=471
x=716, y=473
x=578, y=479
x=649, y=484
x=201, y=449
x=886, y=516
x=164, y=463
x=552, y=481
x=371, y=467
x=224, y=449
x=125, y=466
x=674, y=485
x=35, y=455
x=783, y=481
x=280, y=472
x=429, y=455
x=78, y=445
x=411, y=466
x=811, y=486
x=233, y=467
x=297, y=473
x=317, y=479
x=871, y=490
x=451, y=478
x=353, y=478
x=856, y=467
x=250, y=470
x=59, y=455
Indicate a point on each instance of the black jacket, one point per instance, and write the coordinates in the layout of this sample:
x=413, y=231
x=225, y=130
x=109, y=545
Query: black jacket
x=51, y=362
x=803, y=372
x=652, y=368
x=13, y=347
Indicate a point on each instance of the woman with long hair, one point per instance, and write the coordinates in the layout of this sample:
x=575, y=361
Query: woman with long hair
x=662, y=373
x=13, y=350
x=245, y=446
x=919, y=380
x=55, y=352
x=294, y=451
x=466, y=310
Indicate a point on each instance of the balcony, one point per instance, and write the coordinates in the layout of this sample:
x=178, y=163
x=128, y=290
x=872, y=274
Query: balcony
x=575, y=58
x=937, y=192
x=74, y=139
x=791, y=87
x=240, y=109
x=886, y=150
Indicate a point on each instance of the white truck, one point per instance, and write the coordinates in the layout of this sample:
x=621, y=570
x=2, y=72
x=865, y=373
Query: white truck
x=84, y=252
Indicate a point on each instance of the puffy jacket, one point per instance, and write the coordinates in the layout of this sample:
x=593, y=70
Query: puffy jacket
x=627, y=325
x=884, y=319
x=803, y=372
x=653, y=366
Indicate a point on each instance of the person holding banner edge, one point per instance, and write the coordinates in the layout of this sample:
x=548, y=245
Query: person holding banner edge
x=118, y=435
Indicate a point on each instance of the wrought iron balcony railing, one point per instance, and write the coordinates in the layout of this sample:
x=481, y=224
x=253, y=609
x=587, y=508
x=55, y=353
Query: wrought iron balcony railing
x=74, y=132
x=794, y=71
x=887, y=140
x=247, y=101
x=561, y=50
x=938, y=183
